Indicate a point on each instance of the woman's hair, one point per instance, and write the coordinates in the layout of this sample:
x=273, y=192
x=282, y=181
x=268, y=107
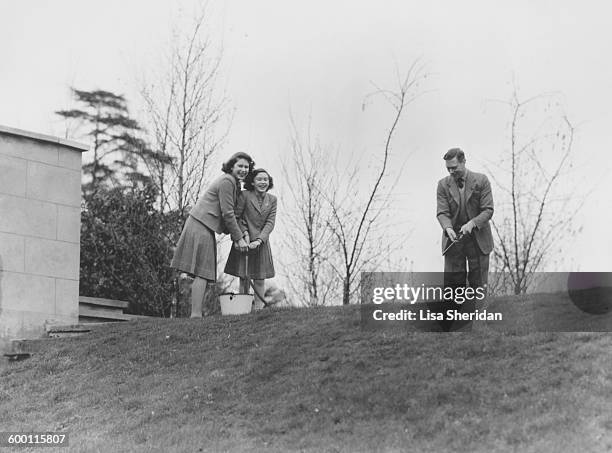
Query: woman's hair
x=248, y=181
x=229, y=164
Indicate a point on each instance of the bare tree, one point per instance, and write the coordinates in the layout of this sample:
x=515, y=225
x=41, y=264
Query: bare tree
x=536, y=206
x=188, y=116
x=307, y=175
x=362, y=239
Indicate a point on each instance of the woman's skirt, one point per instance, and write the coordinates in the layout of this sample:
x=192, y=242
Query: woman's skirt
x=196, y=251
x=260, y=263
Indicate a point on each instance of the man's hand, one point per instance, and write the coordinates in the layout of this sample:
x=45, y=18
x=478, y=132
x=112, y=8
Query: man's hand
x=451, y=234
x=256, y=243
x=467, y=228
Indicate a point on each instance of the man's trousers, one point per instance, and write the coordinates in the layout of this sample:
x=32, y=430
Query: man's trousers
x=464, y=266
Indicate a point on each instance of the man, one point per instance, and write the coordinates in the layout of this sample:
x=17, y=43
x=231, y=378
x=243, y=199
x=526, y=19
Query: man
x=465, y=206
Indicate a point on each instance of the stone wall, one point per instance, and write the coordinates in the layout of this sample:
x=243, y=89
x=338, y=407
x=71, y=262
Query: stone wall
x=40, y=195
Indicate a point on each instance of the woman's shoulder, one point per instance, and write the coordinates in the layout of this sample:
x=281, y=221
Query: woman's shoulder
x=226, y=177
x=223, y=179
x=272, y=197
x=246, y=194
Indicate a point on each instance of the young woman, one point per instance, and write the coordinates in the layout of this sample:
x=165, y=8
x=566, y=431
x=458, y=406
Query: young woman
x=196, y=251
x=257, y=211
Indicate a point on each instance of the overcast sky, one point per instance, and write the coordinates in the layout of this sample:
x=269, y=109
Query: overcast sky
x=319, y=58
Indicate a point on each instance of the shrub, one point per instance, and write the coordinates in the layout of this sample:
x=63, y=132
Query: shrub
x=126, y=248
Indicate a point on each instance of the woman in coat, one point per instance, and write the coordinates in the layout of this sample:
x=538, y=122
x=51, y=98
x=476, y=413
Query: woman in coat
x=196, y=251
x=257, y=212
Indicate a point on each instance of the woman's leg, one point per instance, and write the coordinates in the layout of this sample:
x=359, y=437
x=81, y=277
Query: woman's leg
x=198, y=289
x=260, y=288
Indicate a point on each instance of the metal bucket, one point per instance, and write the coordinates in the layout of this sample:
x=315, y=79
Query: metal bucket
x=235, y=304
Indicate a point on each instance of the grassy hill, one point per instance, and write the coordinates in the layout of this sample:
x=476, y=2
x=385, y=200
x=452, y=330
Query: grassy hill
x=313, y=380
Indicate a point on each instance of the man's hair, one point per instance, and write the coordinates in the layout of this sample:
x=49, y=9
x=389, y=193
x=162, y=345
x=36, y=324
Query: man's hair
x=248, y=181
x=455, y=152
x=227, y=166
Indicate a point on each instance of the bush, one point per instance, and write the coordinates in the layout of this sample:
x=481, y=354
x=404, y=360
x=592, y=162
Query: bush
x=126, y=248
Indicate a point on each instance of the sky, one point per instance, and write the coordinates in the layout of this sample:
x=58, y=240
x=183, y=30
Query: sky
x=320, y=59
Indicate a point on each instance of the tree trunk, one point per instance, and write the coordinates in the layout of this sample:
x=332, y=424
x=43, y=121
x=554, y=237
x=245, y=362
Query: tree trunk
x=346, y=292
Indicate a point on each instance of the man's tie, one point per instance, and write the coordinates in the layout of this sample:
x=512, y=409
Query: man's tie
x=460, y=183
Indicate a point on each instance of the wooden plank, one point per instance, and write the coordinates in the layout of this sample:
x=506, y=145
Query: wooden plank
x=139, y=316
x=101, y=308
x=68, y=327
x=94, y=322
x=98, y=320
x=87, y=312
x=102, y=314
x=105, y=302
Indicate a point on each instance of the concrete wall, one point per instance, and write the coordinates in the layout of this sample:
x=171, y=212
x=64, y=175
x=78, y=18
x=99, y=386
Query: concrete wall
x=40, y=196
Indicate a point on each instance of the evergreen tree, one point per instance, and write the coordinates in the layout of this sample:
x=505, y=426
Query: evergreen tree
x=126, y=248
x=104, y=118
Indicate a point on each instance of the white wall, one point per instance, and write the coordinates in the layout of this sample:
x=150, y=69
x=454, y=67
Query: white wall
x=40, y=194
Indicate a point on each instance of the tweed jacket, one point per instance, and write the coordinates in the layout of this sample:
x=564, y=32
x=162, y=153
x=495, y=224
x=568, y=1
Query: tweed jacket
x=479, y=205
x=215, y=207
x=259, y=222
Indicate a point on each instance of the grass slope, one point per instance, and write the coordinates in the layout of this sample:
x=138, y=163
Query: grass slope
x=312, y=380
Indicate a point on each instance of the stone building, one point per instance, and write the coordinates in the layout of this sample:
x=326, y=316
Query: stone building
x=40, y=197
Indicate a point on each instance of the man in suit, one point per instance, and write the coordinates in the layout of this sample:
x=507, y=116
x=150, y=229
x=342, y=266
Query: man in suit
x=464, y=208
